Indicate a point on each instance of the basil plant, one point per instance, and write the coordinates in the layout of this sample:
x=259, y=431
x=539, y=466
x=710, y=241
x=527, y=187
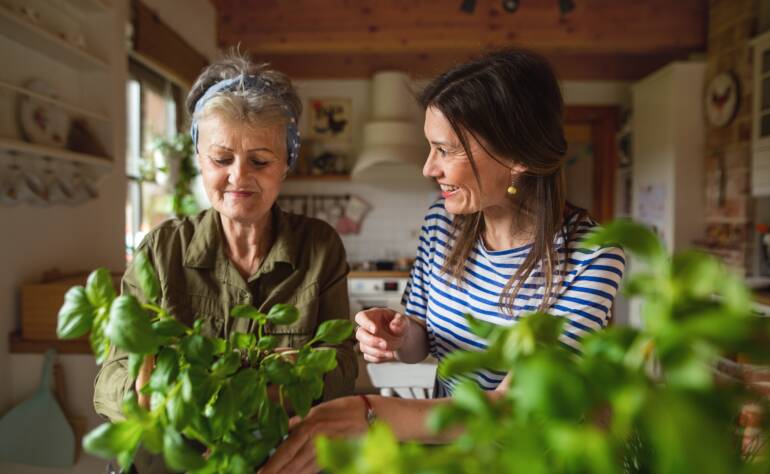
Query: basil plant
x=637, y=400
x=210, y=411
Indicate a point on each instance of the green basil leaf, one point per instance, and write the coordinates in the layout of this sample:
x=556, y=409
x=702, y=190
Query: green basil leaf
x=248, y=390
x=146, y=277
x=197, y=350
x=179, y=455
x=197, y=386
x=247, y=311
x=169, y=327
x=334, y=331
x=300, y=397
x=279, y=371
x=223, y=411
x=283, y=314
x=267, y=343
x=166, y=370
x=99, y=288
x=100, y=345
x=152, y=436
x=129, y=326
x=180, y=412
x=478, y=327
x=220, y=345
x=318, y=361
x=134, y=364
x=76, y=314
x=227, y=365
x=108, y=440
x=242, y=340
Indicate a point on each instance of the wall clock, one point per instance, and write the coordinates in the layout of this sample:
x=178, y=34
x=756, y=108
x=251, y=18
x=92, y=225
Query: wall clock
x=722, y=99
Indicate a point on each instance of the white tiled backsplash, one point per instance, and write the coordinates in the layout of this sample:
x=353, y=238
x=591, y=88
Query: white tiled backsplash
x=390, y=229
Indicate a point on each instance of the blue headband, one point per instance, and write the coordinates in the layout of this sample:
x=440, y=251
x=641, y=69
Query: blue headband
x=250, y=82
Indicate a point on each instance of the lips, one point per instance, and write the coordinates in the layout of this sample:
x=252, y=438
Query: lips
x=448, y=190
x=240, y=193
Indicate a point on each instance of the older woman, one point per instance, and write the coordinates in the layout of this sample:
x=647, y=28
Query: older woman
x=501, y=242
x=244, y=250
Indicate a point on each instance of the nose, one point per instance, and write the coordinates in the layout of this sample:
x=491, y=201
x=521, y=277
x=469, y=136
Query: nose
x=237, y=172
x=431, y=168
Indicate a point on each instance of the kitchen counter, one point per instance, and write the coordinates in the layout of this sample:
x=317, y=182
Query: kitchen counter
x=378, y=274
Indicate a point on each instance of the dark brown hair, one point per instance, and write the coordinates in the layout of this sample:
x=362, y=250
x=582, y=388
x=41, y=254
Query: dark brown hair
x=510, y=102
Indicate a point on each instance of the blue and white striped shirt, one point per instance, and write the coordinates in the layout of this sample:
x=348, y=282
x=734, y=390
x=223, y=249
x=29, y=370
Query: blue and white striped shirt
x=584, y=298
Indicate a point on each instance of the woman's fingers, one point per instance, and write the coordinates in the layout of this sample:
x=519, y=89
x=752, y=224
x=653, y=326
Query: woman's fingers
x=374, y=352
x=365, y=338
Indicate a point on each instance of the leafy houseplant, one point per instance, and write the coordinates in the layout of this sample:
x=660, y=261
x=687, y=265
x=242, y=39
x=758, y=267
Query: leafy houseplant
x=178, y=153
x=605, y=411
x=206, y=394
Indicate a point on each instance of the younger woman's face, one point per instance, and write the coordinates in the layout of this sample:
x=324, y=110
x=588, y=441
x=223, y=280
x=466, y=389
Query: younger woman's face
x=451, y=167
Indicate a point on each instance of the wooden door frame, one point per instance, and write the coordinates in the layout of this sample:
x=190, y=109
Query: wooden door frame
x=604, y=121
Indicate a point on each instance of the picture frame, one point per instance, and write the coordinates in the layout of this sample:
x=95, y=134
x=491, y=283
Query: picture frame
x=329, y=119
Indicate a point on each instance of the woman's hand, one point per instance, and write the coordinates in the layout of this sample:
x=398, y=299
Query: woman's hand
x=145, y=371
x=340, y=418
x=381, y=333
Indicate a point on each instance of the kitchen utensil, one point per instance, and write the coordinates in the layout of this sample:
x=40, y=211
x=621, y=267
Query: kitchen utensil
x=36, y=432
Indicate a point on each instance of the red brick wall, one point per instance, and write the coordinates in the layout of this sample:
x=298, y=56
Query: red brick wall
x=729, y=224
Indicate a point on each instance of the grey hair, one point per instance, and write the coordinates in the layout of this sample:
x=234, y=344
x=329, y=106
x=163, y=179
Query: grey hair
x=271, y=106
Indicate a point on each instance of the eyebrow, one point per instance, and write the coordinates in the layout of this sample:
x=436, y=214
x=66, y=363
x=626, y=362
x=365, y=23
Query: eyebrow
x=247, y=151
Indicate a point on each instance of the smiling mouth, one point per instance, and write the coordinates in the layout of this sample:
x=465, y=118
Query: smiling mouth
x=240, y=193
x=447, y=189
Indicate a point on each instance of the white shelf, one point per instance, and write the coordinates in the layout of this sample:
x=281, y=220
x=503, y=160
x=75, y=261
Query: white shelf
x=65, y=105
x=42, y=40
x=55, y=153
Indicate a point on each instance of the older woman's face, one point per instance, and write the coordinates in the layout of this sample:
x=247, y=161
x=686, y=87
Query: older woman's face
x=242, y=166
x=450, y=166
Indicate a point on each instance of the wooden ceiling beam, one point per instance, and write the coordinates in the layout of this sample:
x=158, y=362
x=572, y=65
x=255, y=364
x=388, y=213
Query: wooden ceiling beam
x=415, y=26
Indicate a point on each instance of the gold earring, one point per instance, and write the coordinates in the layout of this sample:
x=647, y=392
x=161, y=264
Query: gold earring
x=512, y=189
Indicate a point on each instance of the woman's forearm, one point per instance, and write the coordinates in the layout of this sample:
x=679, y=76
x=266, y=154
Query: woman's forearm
x=415, y=346
x=408, y=418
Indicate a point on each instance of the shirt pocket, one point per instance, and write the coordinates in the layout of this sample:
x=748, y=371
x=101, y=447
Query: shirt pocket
x=187, y=308
x=302, y=330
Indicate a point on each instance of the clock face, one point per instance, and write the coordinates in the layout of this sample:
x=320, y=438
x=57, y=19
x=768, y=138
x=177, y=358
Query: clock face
x=722, y=99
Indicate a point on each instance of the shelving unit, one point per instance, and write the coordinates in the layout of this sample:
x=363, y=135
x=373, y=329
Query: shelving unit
x=25, y=148
x=18, y=345
x=47, y=43
x=64, y=105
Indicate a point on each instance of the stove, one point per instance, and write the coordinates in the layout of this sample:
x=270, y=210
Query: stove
x=375, y=292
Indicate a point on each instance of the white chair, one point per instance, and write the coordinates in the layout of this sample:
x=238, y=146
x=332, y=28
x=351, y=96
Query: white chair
x=396, y=379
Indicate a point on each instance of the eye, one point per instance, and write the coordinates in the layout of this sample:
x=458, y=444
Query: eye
x=221, y=160
x=259, y=163
x=441, y=151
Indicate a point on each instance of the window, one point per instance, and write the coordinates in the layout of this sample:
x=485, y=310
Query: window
x=154, y=105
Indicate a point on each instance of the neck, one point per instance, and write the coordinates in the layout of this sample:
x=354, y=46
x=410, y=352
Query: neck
x=506, y=227
x=248, y=242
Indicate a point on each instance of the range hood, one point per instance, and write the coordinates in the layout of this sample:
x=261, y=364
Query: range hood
x=394, y=148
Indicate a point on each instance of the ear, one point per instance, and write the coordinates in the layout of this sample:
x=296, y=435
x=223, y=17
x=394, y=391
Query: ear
x=518, y=169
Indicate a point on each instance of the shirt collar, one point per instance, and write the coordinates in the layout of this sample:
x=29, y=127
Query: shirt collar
x=207, y=244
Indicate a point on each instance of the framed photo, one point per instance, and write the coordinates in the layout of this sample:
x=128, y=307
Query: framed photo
x=329, y=119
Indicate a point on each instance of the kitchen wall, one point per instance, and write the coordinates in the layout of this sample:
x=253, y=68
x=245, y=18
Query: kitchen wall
x=77, y=238
x=729, y=226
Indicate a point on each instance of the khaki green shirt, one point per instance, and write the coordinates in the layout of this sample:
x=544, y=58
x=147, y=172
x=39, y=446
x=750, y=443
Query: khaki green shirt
x=305, y=267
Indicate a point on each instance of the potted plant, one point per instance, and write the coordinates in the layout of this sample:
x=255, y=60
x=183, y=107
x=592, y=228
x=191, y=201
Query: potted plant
x=210, y=411
x=636, y=400
x=177, y=155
